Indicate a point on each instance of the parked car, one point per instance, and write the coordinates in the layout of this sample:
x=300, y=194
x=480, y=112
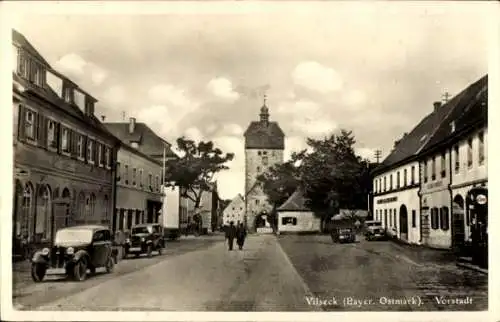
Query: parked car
x=343, y=235
x=144, y=239
x=374, y=231
x=74, y=251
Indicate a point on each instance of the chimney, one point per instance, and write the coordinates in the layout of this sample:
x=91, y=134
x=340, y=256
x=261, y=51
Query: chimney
x=437, y=105
x=131, y=125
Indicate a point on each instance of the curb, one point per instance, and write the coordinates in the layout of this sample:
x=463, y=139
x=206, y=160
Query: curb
x=472, y=267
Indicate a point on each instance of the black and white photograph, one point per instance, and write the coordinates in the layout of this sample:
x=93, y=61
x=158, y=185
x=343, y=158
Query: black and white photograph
x=247, y=156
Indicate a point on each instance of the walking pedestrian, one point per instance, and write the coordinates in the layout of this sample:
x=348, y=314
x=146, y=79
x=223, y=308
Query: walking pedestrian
x=241, y=234
x=231, y=234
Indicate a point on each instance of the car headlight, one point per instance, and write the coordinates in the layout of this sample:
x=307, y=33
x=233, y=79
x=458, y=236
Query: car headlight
x=143, y=239
x=45, y=251
x=70, y=251
x=127, y=240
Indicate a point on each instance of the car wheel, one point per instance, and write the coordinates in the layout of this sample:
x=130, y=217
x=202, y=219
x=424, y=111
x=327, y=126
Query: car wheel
x=110, y=265
x=150, y=251
x=80, y=270
x=38, y=272
x=159, y=250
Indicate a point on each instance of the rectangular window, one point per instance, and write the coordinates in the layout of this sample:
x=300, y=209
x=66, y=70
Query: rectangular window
x=469, y=152
x=435, y=218
x=65, y=140
x=414, y=218
x=443, y=165
x=397, y=180
x=257, y=201
x=425, y=171
x=289, y=221
x=29, y=124
x=390, y=182
x=150, y=181
x=259, y=153
x=140, y=178
x=413, y=175
x=444, y=218
x=101, y=155
x=51, y=134
x=90, y=151
x=23, y=65
x=265, y=160
x=157, y=183
x=405, y=178
x=108, y=157
x=68, y=95
x=134, y=175
x=433, y=168
x=481, y=148
x=118, y=171
x=258, y=169
x=385, y=183
x=457, y=159
x=125, y=173
x=79, y=146
x=390, y=217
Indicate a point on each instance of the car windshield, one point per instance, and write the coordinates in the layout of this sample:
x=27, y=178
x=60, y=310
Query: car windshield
x=345, y=230
x=373, y=223
x=142, y=230
x=73, y=236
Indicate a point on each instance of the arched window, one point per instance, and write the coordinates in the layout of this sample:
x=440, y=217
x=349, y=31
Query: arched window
x=81, y=205
x=43, y=218
x=26, y=206
x=92, y=205
x=105, y=205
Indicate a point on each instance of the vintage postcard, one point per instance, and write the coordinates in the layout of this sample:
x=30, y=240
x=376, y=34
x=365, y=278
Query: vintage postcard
x=250, y=160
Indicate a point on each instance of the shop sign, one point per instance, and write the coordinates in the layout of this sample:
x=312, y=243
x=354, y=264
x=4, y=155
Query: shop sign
x=387, y=200
x=435, y=184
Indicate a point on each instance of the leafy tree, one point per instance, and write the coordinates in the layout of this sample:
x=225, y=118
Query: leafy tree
x=194, y=170
x=333, y=176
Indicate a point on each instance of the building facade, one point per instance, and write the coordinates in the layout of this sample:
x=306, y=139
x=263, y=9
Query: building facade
x=235, y=211
x=454, y=162
x=397, y=180
x=295, y=217
x=64, y=158
x=207, y=211
x=138, y=189
x=264, y=147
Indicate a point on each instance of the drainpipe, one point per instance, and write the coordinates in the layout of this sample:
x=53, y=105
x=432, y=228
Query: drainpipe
x=451, y=197
x=114, y=187
x=419, y=193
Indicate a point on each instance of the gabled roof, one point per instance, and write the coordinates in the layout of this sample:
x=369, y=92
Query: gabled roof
x=412, y=143
x=296, y=202
x=470, y=108
x=19, y=39
x=237, y=198
x=262, y=135
x=149, y=143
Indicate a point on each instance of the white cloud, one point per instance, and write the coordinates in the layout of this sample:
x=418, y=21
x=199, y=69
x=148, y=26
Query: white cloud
x=74, y=65
x=315, y=127
x=232, y=181
x=293, y=144
x=232, y=129
x=309, y=118
x=317, y=77
x=222, y=88
x=354, y=98
x=114, y=96
x=194, y=134
x=171, y=95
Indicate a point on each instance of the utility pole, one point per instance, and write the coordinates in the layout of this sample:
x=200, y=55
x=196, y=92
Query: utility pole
x=446, y=97
x=378, y=154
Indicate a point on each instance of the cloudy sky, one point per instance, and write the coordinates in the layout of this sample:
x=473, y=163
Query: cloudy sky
x=374, y=69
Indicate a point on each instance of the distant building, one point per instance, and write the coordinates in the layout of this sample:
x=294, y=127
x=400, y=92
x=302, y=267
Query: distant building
x=264, y=146
x=208, y=209
x=144, y=165
x=453, y=162
x=234, y=211
x=295, y=216
x=64, y=157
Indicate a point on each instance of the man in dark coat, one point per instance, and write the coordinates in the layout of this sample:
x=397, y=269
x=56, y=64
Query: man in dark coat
x=241, y=234
x=231, y=234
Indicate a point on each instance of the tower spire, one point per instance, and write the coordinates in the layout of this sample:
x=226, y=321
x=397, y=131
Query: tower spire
x=264, y=112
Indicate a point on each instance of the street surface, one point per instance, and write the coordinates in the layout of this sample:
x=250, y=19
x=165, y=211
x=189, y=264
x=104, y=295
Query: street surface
x=288, y=273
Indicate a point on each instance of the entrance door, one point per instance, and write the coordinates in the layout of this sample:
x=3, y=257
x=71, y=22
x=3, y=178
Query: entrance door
x=61, y=215
x=403, y=222
x=458, y=224
x=425, y=225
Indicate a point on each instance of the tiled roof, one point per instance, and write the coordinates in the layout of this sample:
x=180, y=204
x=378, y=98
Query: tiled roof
x=261, y=135
x=296, y=202
x=470, y=109
x=238, y=197
x=19, y=38
x=149, y=143
x=412, y=143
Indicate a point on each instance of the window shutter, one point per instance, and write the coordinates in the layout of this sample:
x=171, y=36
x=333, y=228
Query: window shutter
x=36, y=123
x=85, y=148
x=44, y=128
x=21, y=123
x=96, y=153
x=57, y=135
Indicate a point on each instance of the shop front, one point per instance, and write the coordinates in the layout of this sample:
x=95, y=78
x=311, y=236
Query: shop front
x=477, y=201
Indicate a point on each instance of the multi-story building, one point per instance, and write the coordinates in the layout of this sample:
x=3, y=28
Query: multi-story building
x=264, y=146
x=234, y=211
x=147, y=144
x=207, y=210
x=63, y=156
x=138, y=188
x=453, y=162
x=396, y=180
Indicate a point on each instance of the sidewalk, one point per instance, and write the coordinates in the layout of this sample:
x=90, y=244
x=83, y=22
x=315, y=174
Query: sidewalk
x=425, y=255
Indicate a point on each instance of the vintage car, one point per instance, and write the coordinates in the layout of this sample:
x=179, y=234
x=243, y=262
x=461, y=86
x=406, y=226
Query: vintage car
x=74, y=251
x=343, y=235
x=145, y=239
x=374, y=231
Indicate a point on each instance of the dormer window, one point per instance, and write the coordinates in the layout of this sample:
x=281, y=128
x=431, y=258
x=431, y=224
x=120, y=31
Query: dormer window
x=68, y=95
x=23, y=66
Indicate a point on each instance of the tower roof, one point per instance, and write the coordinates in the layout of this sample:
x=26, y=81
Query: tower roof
x=264, y=134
